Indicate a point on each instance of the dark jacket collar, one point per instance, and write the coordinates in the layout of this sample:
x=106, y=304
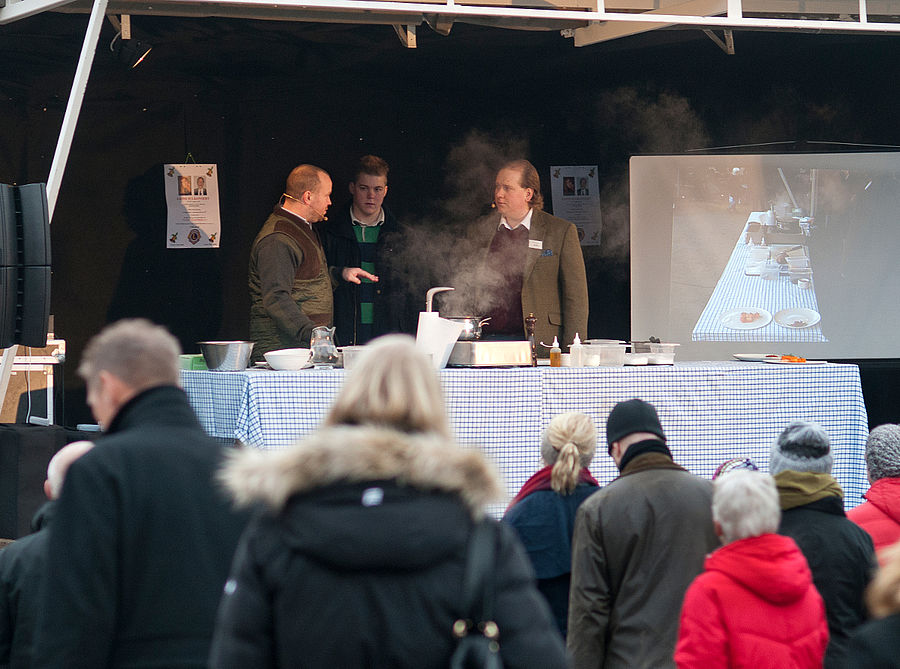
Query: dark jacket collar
x=649, y=460
x=340, y=223
x=160, y=405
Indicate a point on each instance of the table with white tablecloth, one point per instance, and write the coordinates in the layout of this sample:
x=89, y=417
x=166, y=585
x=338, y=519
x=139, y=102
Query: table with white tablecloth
x=736, y=291
x=711, y=411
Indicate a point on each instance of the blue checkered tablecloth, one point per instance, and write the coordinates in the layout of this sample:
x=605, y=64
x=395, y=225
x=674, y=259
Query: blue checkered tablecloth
x=738, y=291
x=711, y=411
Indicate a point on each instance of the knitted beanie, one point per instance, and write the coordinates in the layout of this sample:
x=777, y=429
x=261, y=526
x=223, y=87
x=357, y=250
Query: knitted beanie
x=630, y=417
x=801, y=447
x=883, y=452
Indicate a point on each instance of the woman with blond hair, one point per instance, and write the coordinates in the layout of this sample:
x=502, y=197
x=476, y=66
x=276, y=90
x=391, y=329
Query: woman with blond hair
x=543, y=512
x=357, y=556
x=877, y=642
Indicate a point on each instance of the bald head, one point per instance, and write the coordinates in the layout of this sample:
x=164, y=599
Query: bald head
x=59, y=465
x=304, y=178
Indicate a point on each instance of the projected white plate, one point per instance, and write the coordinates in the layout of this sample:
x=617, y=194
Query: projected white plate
x=732, y=319
x=796, y=318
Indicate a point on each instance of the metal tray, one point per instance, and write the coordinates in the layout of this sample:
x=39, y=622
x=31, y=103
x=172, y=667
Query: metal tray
x=490, y=354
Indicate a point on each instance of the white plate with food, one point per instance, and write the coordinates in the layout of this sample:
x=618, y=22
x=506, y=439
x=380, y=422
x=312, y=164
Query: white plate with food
x=754, y=357
x=797, y=317
x=779, y=360
x=745, y=318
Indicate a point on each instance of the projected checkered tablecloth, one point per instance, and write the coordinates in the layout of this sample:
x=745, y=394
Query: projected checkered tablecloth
x=737, y=292
x=711, y=411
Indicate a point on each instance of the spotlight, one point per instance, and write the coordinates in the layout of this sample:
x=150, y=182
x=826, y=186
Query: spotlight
x=131, y=52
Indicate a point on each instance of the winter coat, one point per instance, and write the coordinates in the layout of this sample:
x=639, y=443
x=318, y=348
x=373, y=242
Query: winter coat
x=840, y=553
x=879, y=515
x=755, y=606
x=875, y=644
x=358, y=558
x=140, y=546
x=21, y=574
x=545, y=521
x=638, y=544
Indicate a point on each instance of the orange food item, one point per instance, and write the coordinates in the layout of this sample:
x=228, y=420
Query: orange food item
x=749, y=317
x=792, y=358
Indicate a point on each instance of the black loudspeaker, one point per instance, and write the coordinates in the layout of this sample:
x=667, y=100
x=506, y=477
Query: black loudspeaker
x=9, y=299
x=25, y=267
x=34, y=311
x=8, y=227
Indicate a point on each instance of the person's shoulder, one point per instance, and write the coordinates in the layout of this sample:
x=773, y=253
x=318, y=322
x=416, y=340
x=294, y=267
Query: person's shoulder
x=550, y=220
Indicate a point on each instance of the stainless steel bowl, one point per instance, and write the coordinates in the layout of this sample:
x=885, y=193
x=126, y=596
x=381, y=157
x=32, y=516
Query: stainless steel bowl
x=226, y=356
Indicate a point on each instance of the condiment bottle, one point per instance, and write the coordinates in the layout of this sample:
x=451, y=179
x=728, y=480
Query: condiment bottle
x=555, y=354
x=576, y=352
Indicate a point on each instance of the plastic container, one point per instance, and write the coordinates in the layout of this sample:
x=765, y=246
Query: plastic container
x=662, y=354
x=605, y=355
x=351, y=355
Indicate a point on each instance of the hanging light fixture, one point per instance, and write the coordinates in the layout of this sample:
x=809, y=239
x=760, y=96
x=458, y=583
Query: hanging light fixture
x=131, y=52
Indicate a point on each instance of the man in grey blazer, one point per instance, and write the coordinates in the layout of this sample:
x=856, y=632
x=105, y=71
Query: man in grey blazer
x=532, y=263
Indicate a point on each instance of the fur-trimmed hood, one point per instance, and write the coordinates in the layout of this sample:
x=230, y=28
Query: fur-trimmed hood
x=355, y=454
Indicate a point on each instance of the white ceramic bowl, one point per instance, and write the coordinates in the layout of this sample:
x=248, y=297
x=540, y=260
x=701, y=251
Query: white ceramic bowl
x=287, y=359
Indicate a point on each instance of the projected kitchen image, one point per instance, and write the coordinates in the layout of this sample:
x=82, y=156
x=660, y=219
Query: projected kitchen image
x=791, y=253
x=766, y=291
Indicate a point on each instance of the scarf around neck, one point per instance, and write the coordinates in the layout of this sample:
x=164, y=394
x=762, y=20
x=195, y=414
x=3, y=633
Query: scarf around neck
x=799, y=488
x=540, y=480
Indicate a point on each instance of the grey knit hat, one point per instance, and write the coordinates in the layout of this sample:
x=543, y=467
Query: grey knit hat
x=801, y=447
x=883, y=452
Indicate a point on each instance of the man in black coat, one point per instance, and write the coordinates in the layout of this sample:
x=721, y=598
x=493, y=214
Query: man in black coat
x=143, y=537
x=22, y=566
x=363, y=234
x=841, y=555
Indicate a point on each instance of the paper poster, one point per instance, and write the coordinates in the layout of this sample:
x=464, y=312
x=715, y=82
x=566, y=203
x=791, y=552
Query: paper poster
x=576, y=197
x=192, y=199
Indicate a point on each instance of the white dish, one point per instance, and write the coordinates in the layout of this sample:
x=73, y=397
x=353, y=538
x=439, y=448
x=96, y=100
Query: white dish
x=732, y=319
x=754, y=357
x=796, y=318
x=287, y=359
x=779, y=361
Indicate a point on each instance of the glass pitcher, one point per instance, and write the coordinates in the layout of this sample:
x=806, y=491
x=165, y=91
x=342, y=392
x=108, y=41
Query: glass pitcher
x=324, y=352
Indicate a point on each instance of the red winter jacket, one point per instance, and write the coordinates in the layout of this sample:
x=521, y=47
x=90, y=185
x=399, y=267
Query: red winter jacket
x=879, y=515
x=755, y=605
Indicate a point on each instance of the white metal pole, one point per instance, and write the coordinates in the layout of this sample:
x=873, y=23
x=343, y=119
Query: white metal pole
x=73, y=108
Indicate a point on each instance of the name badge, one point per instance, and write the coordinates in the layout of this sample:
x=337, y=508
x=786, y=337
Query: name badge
x=535, y=244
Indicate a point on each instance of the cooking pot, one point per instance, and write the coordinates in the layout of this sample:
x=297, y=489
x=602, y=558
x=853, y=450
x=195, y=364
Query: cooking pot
x=471, y=327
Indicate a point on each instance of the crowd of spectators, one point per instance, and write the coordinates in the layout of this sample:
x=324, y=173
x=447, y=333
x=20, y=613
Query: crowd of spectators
x=159, y=547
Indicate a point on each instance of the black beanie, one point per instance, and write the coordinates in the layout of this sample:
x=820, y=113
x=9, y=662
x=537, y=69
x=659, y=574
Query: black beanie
x=630, y=417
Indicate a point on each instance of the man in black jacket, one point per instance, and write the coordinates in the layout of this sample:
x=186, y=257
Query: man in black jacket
x=840, y=553
x=143, y=537
x=363, y=234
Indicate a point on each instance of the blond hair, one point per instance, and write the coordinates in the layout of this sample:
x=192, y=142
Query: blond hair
x=529, y=178
x=393, y=385
x=883, y=593
x=568, y=444
x=134, y=350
